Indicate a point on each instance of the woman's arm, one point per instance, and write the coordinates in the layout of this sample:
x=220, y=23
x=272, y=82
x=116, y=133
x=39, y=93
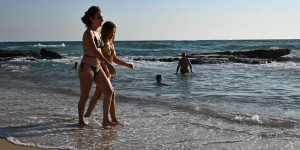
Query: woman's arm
x=122, y=63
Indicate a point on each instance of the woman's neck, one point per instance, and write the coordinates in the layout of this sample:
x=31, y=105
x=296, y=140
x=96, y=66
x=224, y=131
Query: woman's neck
x=107, y=40
x=93, y=28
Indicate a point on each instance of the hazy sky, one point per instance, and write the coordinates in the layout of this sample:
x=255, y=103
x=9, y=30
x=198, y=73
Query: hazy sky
x=59, y=20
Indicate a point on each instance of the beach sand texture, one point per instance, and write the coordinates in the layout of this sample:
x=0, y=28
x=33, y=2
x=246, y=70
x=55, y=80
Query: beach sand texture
x=6, y=145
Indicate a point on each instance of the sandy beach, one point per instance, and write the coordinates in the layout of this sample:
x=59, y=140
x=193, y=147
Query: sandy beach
x=6, y=145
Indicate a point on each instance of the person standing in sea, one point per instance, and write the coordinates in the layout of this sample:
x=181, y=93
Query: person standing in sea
x=184, y=64
x=90, y=69
x=108, y=32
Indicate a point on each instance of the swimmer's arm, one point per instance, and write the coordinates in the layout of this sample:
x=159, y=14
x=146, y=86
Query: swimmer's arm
x=190, y=66
x=162, y=84
x=179, y=64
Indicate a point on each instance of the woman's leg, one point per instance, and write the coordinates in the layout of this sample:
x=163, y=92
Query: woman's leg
x=86, y=79
x=93, y=102
x=105, y=86
x=113, y=110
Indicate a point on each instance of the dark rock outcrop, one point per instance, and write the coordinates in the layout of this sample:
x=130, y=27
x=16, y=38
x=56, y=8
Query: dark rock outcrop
x=268, y=54
x=6, y=55
x=247, y=57
x=46, y=54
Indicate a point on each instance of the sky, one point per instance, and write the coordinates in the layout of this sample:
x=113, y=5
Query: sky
x=59, y=20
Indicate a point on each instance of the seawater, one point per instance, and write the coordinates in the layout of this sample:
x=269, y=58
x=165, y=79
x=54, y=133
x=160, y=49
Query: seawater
x=219, y=106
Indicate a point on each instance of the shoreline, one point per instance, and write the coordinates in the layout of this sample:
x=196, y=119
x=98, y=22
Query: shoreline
x=5, y=144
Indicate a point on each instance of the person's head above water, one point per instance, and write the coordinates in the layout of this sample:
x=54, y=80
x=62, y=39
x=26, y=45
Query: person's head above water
x=159, y=78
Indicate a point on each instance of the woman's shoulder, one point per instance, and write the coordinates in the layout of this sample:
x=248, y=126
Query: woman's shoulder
x=87, y=32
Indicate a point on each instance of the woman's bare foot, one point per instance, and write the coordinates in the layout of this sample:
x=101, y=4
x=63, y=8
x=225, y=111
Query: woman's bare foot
x=87, y=120
x=81, y=124
x=108, y=124
x=116, y=122
x=121, y=123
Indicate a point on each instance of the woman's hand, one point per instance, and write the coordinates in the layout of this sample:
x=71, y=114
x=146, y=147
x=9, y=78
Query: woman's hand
x=130, y=66
x=111, y=68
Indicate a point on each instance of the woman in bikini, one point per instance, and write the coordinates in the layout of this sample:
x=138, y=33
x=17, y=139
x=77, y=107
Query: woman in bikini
x=90, y=68
x=108, y=34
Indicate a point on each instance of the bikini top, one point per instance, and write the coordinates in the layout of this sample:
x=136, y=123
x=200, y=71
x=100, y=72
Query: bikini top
x=108, y=52
x=99, y=44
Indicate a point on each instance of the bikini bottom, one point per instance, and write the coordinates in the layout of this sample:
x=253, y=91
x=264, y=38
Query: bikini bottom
x=94, y=69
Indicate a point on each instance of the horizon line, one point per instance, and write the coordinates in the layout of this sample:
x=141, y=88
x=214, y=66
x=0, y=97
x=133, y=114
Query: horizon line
x=158, y=40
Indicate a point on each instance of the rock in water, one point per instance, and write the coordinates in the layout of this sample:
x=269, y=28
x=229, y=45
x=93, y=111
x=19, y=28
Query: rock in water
x=46, y=54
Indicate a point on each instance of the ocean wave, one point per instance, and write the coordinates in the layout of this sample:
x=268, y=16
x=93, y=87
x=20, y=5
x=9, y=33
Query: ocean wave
x=14, y=47
x=294, y=58
x=39, y=45
x=15, y=68
x=67, y=59
x=244, y=118
x=233, y=117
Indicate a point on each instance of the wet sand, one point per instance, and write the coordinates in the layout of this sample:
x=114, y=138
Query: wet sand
x=6, y=145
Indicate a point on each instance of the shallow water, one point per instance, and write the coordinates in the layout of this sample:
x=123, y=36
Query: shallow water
x=219, y=106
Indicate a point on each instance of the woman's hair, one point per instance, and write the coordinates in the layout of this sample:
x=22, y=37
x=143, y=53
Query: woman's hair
x=107, y=28
x=91, y=12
